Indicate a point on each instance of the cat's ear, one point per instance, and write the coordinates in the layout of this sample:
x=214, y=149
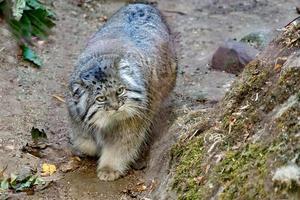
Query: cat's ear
x=123, y=64
x=75, y=87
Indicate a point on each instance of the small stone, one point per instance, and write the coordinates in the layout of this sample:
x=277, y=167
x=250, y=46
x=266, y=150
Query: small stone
x=232, y=57
x=103, y=18
x=11, y=60
x=9, y=147
x=287, y=175
x=74, y=13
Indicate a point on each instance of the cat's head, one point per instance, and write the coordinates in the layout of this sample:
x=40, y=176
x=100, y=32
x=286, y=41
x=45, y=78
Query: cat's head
x=107, y=89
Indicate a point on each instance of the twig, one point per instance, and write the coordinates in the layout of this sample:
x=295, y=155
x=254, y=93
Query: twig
x=175, y=12
x=3, y=170
x=59, y=98
x=193, y=135
x=213, y=145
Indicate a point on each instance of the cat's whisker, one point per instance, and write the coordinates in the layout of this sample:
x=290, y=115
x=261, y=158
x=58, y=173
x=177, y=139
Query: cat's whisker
x=141, y=115
x=118, y=86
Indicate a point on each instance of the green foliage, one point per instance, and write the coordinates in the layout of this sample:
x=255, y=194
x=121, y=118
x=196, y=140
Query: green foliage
x=18, y=8
x=30, y=55
x=36, y=134
x=34, y=5
x=237, y=169
x=20, y=183
x=28, y=19
x=190, y=157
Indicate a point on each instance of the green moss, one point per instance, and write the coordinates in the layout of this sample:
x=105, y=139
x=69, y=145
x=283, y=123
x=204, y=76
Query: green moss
x=245, y=172
x=188, y=168
x=253, y=79
x=241, y=125
x=244, y=123
x=288, y=84
x=241, y=173
x=237, y=169
x=289, y=120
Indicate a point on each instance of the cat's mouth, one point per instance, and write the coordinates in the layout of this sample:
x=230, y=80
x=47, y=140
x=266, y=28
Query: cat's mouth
x=115, y=114
x=111, y=115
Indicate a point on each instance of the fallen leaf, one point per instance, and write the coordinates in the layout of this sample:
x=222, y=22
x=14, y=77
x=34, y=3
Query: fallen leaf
x=279, y=63
x=199, y=179
x=19, y=183
x=277, y=67
x=30, y=55
x=37, y=134
x=48, y=169
x=37, y=5
x=2, y=172
x=34, y=149
x=18, y=8
x=141, y=188
x=4, y=184
x=71, y=165
x=43, y=186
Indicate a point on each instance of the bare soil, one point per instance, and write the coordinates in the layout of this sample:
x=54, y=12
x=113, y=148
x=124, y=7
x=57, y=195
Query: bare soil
x=27, y=94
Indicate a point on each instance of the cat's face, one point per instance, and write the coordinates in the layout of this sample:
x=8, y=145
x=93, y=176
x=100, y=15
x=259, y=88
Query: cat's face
x=107, y=91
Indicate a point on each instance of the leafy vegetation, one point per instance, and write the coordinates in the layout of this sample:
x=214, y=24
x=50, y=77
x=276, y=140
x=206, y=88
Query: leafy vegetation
x=27, y=19
x=36, y=134
x=19, y=183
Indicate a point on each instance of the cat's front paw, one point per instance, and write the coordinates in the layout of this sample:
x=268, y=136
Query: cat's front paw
x=108, y=174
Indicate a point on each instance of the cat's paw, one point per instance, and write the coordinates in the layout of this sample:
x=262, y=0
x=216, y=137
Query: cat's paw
x=108, y=174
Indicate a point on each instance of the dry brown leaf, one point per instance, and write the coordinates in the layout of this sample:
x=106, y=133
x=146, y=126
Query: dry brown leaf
x=199, y=179
x=48, y=169
x=71, y=165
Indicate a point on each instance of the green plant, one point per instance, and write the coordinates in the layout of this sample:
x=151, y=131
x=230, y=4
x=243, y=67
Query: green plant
x=27, y=19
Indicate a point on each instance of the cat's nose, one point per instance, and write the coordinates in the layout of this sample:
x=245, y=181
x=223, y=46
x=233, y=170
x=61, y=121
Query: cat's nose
x=114, y=106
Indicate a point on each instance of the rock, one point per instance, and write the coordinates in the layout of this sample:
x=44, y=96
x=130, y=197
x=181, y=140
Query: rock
x=258, y=124
x=232, y=57
x=287, y=175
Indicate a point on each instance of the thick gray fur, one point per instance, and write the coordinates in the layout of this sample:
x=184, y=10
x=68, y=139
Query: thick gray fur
x=133, y=50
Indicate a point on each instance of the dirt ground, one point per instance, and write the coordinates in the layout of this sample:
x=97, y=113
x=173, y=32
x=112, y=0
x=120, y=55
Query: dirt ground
x=26, y=93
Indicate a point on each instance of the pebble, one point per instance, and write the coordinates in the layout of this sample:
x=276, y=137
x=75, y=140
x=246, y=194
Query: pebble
x=9, y=147
x=232, y=56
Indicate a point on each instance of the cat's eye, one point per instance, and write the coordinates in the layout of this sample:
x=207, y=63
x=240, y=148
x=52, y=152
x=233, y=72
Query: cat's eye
x=120, y=91
x=101, y=98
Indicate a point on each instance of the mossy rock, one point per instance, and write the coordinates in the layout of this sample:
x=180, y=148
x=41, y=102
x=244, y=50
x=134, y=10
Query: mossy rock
x=256, y=131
